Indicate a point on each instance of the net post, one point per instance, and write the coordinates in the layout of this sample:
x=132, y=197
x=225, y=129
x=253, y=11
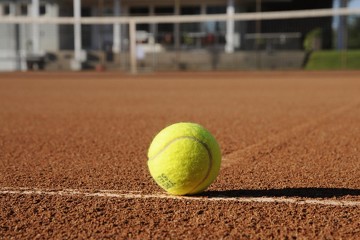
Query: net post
x=76, y=64
x=35, y=27
x=116, y=28
x=230, y=11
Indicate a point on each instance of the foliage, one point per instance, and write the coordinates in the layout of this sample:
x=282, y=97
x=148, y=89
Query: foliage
x=334, y=60
x=311, y=37
x=354, y=34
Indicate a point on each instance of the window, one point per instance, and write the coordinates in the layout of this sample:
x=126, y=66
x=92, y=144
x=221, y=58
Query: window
x=24, y=9
x=108, y=11
x=42, y=9
x=164, y=10
x=6, y=9
x=139, y=11
x=190, y=10
x=215, y=9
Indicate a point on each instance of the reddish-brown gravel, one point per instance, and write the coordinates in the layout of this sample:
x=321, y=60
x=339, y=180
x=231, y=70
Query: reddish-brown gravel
x=283, y=135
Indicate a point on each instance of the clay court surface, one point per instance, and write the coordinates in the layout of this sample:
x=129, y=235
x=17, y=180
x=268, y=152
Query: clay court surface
x=73, y=155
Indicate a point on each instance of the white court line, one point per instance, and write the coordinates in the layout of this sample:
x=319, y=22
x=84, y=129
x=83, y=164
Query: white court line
x=284, y=136
x=139, y=195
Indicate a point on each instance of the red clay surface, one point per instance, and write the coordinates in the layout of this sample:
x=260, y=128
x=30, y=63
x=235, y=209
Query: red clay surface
x=283, y=135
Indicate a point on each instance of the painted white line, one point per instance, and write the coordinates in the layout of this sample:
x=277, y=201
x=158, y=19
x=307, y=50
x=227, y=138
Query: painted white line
x=139, y=195
x=284, y=136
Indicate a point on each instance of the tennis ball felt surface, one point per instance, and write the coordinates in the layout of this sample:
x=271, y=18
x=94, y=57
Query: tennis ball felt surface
x=184, y=159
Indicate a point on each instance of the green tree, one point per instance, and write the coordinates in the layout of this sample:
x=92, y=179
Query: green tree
x=354, y=34
x=312, y=40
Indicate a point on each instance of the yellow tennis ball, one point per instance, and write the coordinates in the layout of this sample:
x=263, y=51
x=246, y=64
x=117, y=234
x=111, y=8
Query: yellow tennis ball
x=184, y=158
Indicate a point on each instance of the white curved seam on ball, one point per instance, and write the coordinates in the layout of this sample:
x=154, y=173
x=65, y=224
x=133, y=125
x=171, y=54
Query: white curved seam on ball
x=209, y=168
x=171, y=142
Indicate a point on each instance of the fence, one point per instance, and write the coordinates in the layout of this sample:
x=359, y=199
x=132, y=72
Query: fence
x=311, y=39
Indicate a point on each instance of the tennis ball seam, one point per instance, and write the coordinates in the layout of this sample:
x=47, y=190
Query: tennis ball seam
x=177, y=139
x=194, y=139
x=209, y=167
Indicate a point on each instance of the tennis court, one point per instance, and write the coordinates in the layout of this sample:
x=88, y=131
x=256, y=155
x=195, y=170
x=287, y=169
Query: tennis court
x=73, y=155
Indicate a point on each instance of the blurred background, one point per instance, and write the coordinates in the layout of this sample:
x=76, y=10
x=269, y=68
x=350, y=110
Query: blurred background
x=179, y=35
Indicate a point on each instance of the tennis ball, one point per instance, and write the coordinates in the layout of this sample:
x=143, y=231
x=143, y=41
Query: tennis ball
x=184, y=159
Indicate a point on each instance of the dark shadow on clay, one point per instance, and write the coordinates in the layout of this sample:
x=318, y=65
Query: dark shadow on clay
x=285, y=192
